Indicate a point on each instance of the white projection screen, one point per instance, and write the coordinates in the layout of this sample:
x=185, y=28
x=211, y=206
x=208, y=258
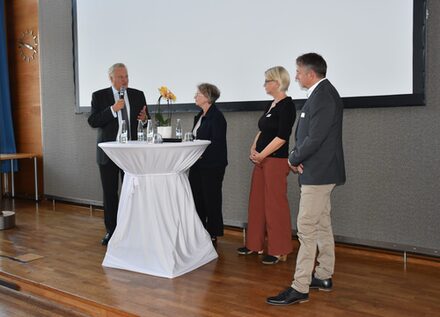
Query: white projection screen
x=374, y=48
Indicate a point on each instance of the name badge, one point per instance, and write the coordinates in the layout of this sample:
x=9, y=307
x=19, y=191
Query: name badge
x=268, y=115
x=303, y=114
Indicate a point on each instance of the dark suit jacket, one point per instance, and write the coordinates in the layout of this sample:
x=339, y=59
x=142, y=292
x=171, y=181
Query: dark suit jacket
x=102, y=118
x=212, y=128
x=319, y=138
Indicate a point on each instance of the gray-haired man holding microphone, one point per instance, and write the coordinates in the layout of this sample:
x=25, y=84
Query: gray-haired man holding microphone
x=109, y=107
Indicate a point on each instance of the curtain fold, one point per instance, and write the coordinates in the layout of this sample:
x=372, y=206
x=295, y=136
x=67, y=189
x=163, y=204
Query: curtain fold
x=7, y=140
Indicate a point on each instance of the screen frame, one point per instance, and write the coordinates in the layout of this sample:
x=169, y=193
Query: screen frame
x=417, y=98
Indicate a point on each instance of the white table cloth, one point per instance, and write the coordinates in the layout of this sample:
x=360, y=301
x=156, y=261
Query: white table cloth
x=158, y=230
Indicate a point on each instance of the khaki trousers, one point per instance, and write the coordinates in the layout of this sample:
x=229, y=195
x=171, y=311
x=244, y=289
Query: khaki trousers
x=314, y=231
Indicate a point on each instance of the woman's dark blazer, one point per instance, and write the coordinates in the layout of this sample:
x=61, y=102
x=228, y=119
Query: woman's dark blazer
x=212, y=128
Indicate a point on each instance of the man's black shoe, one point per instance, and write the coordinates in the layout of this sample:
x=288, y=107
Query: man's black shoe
x=106, y=239
x=288, y=297
x=322, y=285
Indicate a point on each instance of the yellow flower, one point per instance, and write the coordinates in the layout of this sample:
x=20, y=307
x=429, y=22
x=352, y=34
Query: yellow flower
x=171, y=96
x=164, y=118
x=166, y=93
x=163, y=91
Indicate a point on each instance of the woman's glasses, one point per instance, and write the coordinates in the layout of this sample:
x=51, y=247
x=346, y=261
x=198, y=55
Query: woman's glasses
x=268, y=81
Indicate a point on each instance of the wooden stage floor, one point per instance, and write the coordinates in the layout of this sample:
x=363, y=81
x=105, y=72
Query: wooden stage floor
x=366, y=283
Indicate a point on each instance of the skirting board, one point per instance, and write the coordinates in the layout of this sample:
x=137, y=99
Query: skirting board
x=86, y=202
x=364, y=243
x=339, y=239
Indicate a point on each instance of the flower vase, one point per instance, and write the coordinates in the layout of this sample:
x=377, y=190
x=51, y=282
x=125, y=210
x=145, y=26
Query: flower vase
x=165, y=131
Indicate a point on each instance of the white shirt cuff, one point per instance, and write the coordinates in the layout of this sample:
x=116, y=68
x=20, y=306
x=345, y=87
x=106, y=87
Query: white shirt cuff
x=115, y=114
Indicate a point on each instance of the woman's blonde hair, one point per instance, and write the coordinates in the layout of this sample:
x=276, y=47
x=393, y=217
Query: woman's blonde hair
x=280, y=75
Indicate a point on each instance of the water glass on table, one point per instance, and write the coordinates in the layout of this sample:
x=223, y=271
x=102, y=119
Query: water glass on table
x=188, y=137
x=157, y=138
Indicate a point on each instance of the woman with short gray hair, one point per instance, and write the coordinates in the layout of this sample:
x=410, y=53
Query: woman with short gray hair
x=206, y=175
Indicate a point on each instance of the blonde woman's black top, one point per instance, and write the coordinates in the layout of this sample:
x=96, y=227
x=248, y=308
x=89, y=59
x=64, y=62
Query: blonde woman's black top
x=277, y=122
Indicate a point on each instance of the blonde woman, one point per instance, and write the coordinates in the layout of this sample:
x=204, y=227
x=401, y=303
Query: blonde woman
x=268, y=213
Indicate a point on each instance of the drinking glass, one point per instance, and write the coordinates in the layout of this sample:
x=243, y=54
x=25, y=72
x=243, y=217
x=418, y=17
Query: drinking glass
x=157, y=138
x=188, y=137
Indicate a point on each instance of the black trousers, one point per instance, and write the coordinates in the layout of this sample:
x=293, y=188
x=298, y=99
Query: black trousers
x=110, y=184
x=206, y=186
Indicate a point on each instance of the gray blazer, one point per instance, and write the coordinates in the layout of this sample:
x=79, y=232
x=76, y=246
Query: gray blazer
x=318, y=138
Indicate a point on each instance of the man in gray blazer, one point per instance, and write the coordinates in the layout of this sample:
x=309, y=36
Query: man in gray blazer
x=318, y=158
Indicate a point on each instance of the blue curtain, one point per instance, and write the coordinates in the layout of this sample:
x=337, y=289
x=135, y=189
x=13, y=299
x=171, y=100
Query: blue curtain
x=7, y=140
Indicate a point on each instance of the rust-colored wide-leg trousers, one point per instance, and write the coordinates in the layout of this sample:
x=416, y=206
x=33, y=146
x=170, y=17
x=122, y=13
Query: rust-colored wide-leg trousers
x=269, y=211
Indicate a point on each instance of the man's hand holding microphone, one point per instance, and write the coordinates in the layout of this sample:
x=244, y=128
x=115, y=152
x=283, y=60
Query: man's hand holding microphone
x=121, y=102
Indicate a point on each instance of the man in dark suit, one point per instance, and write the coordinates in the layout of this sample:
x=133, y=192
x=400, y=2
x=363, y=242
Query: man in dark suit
x=318, y=158
x=109, y=107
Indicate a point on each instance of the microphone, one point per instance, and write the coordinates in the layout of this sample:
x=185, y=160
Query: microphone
x=122, y=92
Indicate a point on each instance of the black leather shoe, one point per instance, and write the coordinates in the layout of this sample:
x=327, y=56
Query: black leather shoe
x=271, y=259
x=214, y=241
x=287, y=297
x=106, y=239
x=322, y=285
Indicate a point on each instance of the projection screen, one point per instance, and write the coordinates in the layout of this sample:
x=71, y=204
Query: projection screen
x=374, y=48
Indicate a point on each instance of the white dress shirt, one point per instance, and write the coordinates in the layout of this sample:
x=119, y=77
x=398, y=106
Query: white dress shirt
x=197, y=126
x=119, y=114
x=310, y=90
x=127, y=105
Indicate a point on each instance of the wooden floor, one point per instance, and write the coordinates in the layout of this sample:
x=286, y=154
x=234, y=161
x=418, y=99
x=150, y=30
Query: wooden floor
x=366, y=283
x=18, y=304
